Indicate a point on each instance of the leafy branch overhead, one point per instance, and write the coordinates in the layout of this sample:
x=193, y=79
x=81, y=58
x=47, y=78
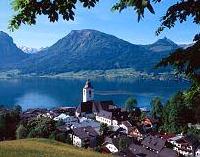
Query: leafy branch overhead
x=27, y=10
x=186, y=61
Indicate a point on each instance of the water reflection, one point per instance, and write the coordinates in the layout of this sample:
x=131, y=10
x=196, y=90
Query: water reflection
x=30, y=93
x=36, y=100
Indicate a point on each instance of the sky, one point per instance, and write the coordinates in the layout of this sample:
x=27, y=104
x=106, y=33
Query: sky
x=124, y=25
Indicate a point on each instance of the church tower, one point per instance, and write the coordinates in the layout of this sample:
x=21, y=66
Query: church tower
x=88, y=92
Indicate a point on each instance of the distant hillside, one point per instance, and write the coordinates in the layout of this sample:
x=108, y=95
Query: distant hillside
x=9, y=52
x=42, y=148
x=84, y=50
x=94, y=50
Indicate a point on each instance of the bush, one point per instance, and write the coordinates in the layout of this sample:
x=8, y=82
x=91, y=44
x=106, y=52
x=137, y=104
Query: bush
x=21, y=132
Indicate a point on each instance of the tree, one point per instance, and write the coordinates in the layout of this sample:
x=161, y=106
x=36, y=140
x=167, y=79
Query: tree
x=156, y=107
x=27, y=10
x=41, y=127
x=9, y=120
x=176, y=114
x=122, y=144
x=21, y=132
x=130, y=104
x=103, y=129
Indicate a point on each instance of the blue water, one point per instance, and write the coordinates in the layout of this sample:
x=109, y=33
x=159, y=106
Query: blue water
x=48, y=93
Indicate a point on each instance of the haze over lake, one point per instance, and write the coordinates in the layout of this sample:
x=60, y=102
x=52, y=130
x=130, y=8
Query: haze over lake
x=48, y=93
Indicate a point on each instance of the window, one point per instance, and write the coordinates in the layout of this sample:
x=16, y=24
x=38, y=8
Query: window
x=90, y=93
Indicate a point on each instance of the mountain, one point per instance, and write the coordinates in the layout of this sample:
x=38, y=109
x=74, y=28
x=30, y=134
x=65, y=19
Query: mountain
x=84, y=50
x=162, y=45
x=29, y=50
x=9, y=53
x=93, y=50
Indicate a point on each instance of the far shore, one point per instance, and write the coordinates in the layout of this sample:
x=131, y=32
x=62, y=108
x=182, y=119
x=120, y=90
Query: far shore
x=115, y=74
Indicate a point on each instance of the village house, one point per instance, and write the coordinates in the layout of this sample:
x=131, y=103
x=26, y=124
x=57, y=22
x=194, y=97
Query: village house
x=151, y=146
x=185, y=145
x=109, y=147
x=154, y=143
x=33, y=113
x=149, y=123
x=197, y=151
x=137, y=132
x=126, y=125
x=68, y=120
x=66, y=110
x=133, y=131
x=112, y=145
x=112, y=117
x=84, y=122
x=84, y=137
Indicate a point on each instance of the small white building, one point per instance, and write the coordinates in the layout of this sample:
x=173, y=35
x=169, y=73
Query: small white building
x=112, y=117
x=105, y=117
x=126, y=126
x=84, y=137
x=184, y=145
x=68, y=120
x=111, y=147
x=197, y=152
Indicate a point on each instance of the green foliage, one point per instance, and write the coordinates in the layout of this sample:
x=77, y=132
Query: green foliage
x=130, y=104
x=61, y=137
x=193, y=131
x=122, y=144
x=53, y=135
x=176, y=115
x=69, y=140
x=21, y=132
x=180, y=12
x=134, y=116
x=27, y=10
x=185, y=61
x=103, y=129
x=138, y=5
x=40, y=127
x=156, y=107
x=9, y=120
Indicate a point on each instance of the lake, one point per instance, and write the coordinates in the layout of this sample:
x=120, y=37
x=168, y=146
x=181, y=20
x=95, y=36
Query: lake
x=48, y=93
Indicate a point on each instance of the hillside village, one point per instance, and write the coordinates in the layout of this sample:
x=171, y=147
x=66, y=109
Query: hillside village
x=106, y=128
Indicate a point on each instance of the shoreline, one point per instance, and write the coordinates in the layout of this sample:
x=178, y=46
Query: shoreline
x=113, y=74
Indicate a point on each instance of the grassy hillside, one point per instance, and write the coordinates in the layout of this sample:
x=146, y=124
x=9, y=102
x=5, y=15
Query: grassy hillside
x=42, y=148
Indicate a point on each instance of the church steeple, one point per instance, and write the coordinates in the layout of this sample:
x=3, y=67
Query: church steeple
x=88, y=92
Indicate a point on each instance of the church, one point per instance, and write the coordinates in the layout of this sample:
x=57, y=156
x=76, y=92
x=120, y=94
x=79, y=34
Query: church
x=102, y=111
x=89, y=107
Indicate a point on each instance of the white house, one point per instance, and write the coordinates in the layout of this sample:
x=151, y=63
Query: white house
x=104, y=117
x=112, y=117
x=184, y=145
x=68, y=120
x=84, y=137
x=197, y=152
x=126, y=126
x=111, y=147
